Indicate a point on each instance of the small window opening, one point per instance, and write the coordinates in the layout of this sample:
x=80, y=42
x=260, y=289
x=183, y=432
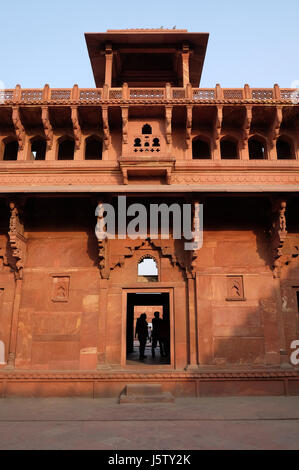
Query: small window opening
x=146, y=129
x=147, y=269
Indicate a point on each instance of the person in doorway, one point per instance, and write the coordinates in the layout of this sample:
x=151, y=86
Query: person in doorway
x=142, y=333
x=164, y=337
x=156, y=334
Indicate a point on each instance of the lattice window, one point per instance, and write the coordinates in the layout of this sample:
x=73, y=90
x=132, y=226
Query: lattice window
x=115, y=94
x=147, y=94
x=32, y=95
x=178, y=94
x=204, y=94
x=262, y=94
x=90, y=95
x=6, y=95
x=60, y=95
x=233, y=94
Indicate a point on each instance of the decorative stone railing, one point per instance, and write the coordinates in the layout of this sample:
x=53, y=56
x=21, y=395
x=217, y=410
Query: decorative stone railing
x=77, y=95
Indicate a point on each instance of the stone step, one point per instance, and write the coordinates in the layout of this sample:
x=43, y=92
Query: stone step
x=145, y=393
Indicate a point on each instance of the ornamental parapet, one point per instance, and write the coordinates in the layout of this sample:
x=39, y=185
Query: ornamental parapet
x=86, y=96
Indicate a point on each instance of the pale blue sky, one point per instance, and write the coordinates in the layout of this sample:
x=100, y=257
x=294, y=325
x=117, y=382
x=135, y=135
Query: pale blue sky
x=255, y=42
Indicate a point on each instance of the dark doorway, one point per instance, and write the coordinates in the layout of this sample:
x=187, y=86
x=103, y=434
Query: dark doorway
x=151, y=302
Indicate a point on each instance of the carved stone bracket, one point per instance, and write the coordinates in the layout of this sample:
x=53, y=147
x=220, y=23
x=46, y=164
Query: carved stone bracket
x=76, y=127
x=189, y=127
x=19, y=128
x=186, y=260
x=125, y=120
x=218, y=124
x=278, y=235
x=275, y=129
x=48, y=130
x=168, y=127
x=17, y=239
x=103, y=242
x=246, y=125
x=106, y=130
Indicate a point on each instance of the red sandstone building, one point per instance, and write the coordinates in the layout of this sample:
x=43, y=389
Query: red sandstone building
x=67, y=300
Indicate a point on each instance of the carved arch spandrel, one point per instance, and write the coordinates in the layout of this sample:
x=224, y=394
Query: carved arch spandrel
x=109, y=262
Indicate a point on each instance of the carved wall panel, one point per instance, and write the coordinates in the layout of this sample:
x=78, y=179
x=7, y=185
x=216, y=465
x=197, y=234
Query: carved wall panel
x=235, y=288
x=60, y=288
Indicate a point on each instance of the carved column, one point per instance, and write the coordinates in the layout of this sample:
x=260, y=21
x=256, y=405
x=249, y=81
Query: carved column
x=189, y=130
x=185, y=54
x=217, y=132
x=275, y=131
x=125, y=121
x=168, y=127
x=77, y=133
x=106, y=131
x=20, y=131
x=18, y=246
x=48, y=130
x=246, y=132
x=192, y=297
x=108, y=65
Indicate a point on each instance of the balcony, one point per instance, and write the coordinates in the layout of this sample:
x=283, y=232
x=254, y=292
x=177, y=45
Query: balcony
x=86, y=96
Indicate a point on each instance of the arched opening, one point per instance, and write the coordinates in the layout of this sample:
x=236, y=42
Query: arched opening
x=148, y=270
x=11, y=149
x=66, y=149
x=229, y=149
x=200, y=149
x=284, y=149
x=38, y=149
x=257, y=149
x=93, y=148
x=156, y=142
x=146, y=129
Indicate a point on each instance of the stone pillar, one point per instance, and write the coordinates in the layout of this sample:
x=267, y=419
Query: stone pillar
x=14, y=325
x=180, y=328
x=192, y=324
x=108, y=65
x=185, y=65
x=102, y=325
x=89, y=333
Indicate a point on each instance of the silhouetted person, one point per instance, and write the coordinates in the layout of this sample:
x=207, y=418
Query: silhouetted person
x=156, y=334
x=164, y=337
x=142, y=333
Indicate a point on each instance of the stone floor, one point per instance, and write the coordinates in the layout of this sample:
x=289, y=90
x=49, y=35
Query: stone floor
x=188, y=424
